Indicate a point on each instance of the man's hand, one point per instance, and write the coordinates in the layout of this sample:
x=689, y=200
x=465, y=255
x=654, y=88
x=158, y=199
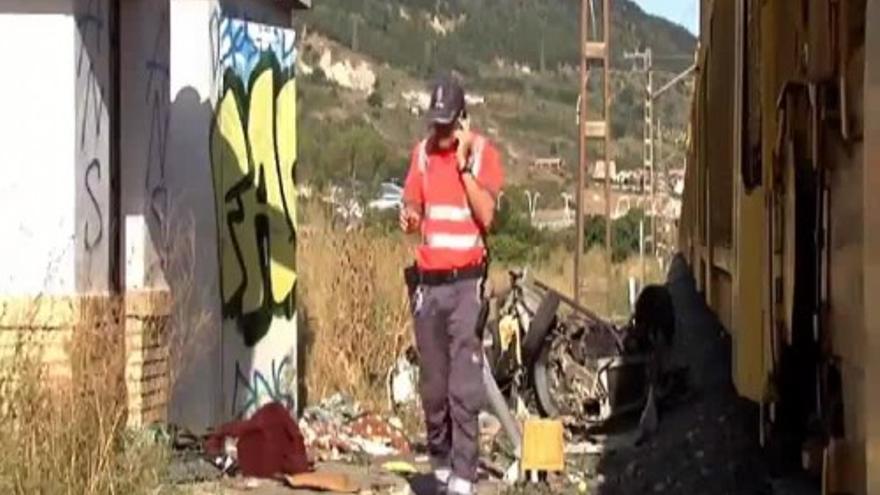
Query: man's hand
x=409, y=220
x=465, y=140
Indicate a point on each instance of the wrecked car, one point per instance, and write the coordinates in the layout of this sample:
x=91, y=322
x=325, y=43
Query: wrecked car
x=549, y=353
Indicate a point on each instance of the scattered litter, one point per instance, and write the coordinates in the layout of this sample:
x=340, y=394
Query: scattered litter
x=400, y=490
x=403, y=379
x=576, y=479
x=585, y=448
x=331, y=482
x=511, y=476
x=396, y=423
x=491, y=469
x=602, y=444
x=490, y=426
x=399, y=467
x=337, y=429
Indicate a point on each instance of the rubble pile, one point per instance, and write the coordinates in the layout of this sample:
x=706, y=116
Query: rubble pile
x=337, y=429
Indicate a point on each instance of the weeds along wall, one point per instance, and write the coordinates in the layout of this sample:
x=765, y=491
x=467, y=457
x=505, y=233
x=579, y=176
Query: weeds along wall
x=155, y=148
x=60, y=255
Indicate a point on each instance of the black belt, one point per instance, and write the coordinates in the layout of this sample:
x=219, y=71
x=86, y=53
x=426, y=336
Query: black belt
x=443, y=277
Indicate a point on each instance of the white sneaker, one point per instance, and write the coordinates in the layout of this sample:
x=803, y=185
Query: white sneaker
x=442, y=476
x=458, y=486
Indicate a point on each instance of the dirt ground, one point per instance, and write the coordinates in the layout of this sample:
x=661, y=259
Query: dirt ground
x=709, y=442
x=706, y=444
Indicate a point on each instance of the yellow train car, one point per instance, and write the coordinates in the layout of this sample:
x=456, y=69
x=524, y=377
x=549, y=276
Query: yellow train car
x=781, y=220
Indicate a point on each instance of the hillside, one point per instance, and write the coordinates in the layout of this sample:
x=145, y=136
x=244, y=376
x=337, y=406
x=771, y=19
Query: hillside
x=519, y=57
x=425, y=35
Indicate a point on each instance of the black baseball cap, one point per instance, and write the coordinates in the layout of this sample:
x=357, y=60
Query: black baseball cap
x=447, y=101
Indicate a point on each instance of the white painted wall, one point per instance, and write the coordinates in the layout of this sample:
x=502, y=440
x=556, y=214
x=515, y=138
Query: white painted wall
x=55, y=106
x=37, y=132
x=163, y=199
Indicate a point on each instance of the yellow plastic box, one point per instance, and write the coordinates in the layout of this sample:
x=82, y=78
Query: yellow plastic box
x=543, y=445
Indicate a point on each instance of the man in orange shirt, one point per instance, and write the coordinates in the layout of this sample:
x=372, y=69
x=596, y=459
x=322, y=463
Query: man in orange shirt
x=451, y=189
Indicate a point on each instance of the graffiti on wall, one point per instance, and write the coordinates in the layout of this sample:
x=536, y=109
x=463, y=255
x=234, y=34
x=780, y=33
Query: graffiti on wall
x=90, y=23
x=252, y=391
x=157, y=98
x=91, y=239
x=240, y=42
x=95, y=250
x=253, y=159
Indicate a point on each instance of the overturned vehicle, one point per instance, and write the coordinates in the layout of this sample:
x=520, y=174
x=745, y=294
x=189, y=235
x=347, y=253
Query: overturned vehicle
x=549, y=353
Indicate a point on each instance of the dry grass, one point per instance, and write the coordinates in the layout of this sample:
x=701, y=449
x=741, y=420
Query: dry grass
x=65, y=432
x=353, y=300
x=354, y=307
x=63, y=424
x=558, y=273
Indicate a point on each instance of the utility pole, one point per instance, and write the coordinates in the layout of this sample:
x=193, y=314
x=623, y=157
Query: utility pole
x=582, y=152
x=595, y=51
x=658, y=189
x=645, y=59
x=649, y=184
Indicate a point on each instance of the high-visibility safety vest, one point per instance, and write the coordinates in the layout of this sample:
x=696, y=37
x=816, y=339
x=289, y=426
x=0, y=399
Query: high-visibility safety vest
x=451, y=236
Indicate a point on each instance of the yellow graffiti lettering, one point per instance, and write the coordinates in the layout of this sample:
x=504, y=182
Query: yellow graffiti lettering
x=253, y=165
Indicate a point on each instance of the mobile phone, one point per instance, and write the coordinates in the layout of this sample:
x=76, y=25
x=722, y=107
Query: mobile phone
x=463, y=122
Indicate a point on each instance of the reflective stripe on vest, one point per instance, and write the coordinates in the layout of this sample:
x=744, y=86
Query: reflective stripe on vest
x=449, y=212
x=457, y=242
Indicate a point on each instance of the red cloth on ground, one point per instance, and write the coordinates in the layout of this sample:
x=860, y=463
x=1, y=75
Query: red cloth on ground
x=269, y=443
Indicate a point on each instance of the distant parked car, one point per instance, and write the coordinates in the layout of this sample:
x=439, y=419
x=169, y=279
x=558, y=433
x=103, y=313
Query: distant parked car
x=390, y=197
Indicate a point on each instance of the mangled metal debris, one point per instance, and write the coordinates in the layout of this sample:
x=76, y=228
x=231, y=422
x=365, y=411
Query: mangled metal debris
x=577, y=366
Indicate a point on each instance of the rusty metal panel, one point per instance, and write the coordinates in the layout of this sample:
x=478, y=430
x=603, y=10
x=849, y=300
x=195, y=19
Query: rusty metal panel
x=871, y=253
x=721, y=85
x=749, y=366
x=770, y=82
x=720, y=299
x=819, y=55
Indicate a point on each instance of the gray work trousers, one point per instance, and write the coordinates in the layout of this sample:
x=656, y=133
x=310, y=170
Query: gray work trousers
x=451, y=385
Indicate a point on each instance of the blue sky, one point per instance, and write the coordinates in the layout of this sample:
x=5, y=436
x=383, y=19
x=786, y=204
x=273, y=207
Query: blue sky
x=684, y=12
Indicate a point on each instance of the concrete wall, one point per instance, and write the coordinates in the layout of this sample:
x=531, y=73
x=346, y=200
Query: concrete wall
x=96, y=245
x=194, y=146
x=38, y=191
x=230, y=168
x=56, y=137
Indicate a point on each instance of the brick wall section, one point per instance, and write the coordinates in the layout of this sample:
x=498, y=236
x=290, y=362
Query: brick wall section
x=47, y=325
x=148, y=364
